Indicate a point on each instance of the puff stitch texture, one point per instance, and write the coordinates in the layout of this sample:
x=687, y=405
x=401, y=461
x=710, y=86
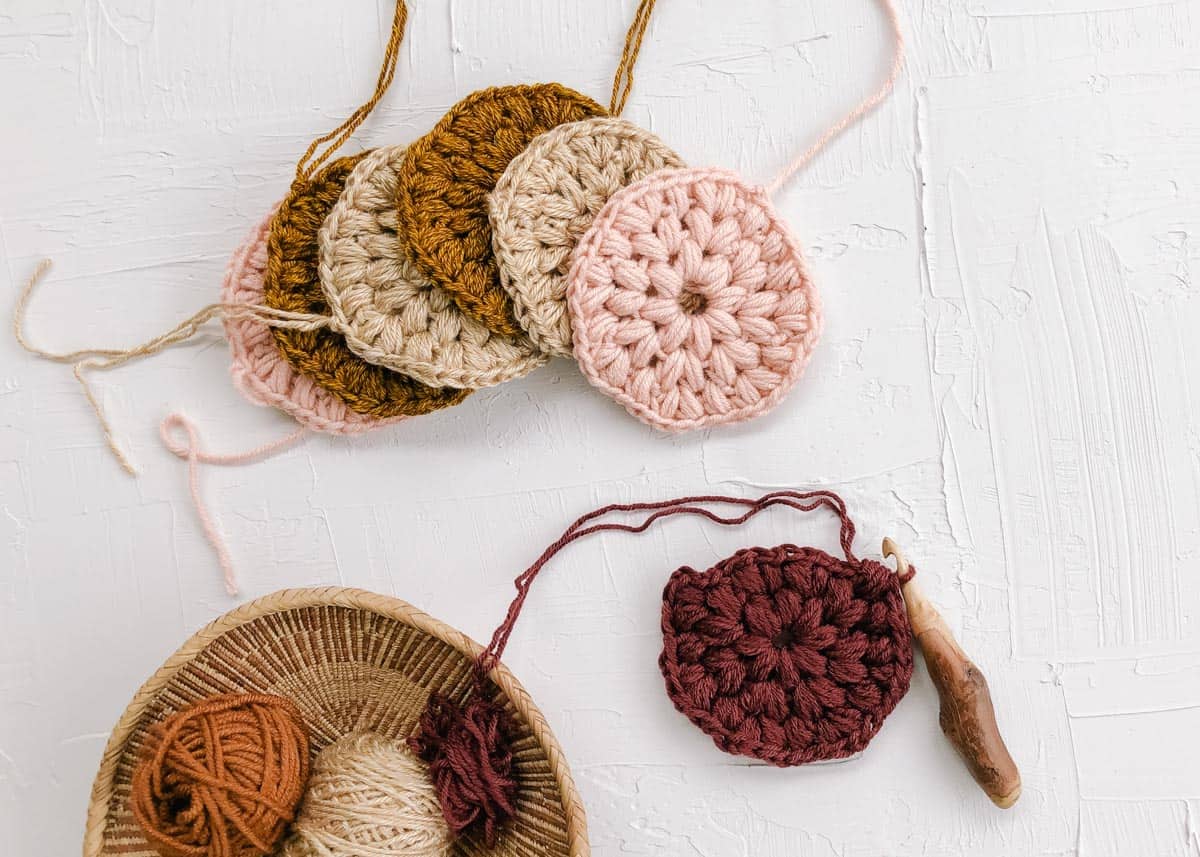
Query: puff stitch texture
x=690, y=304
x=545, y=202
x=786, y=654
x=389, y=313
x=258, y=368
x=292, y=283
x=446, y=177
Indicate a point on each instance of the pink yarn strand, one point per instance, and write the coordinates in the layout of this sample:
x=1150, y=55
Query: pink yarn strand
x=870, y=103
x=191, y=452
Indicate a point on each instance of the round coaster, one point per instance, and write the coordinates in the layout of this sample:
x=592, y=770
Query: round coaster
x=786, y=654
x=258, y=368
x=291, y=283
x=545, y=202
x=390, y=314
x=446, y=177
x=689, y=301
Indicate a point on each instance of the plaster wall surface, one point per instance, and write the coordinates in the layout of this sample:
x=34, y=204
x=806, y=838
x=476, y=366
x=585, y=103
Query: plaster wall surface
x=1009, y=256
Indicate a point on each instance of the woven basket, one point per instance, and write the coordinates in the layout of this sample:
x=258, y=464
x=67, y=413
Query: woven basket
x=352, y=661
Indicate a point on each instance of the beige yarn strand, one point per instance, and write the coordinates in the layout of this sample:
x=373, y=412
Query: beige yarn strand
x=109, y=358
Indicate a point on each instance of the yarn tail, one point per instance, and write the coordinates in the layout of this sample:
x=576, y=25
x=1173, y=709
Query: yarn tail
x=190, y=451
x=110, y=358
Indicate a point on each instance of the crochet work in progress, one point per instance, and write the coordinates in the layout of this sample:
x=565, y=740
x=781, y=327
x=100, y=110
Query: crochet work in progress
x=689, y=301
x=786, y=654
x=258, y=368
x=447, y=175
x=388, y=312
x=545, y=202
x=292, y=283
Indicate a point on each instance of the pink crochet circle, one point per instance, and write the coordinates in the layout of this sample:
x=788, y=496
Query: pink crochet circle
x=259, y=370
x=689, y=301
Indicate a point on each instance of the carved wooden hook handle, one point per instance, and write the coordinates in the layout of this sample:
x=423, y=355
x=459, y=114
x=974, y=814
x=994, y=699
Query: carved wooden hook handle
x=967, y=716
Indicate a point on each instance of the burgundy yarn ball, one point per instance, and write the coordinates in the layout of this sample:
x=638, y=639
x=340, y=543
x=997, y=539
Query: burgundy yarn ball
x=786, y=654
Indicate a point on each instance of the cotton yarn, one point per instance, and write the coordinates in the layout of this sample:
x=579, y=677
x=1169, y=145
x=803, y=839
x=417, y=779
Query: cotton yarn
x=787, y=654
x=445, y=179
x=258, y=368
x=689, y=300
x=390, y=314
x=222, y=778
x=368, y=796
x=291, y=282
x=545, y=202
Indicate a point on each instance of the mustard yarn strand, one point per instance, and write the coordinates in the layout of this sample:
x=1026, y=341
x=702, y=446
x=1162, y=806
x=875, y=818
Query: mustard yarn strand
x=311, y=161
x=623, y=82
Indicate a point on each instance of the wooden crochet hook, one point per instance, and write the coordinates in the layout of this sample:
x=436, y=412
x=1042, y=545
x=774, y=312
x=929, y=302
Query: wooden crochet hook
x=967, y=716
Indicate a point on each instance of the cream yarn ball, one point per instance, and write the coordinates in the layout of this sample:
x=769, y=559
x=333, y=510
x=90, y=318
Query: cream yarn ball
x=368, y=796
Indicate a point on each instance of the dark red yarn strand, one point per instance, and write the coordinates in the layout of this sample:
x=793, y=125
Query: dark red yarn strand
x=803, y=501
x=784, y=654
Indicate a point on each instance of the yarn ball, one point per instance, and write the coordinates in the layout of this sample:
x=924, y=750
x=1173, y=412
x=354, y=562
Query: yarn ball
x=786, y=654
x=389, y=313
x=222, y=777
x=446, y=177
x=368, y=796
x=292, y=283
x=545, y=202
x=470, y=758
x=258, y=368
x=689, y=301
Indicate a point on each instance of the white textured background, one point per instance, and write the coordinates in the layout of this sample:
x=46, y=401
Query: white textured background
x=1008, y=253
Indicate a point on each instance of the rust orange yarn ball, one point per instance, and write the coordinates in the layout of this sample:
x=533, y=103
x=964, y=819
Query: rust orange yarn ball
x=291, y=282
x=447, y=176
x=222, y=777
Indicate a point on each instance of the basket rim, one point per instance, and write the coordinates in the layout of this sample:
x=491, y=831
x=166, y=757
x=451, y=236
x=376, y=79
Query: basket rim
x=287, y=600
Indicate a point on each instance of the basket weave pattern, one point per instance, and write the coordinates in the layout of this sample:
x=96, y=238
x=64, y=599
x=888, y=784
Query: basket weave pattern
x=352, y=661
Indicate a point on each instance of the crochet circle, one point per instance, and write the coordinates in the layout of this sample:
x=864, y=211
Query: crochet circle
x=291, y=283
x=390, y=314
x=258, y=368
x=446, y=177
x=545, y=202
x=786, y=654
x=689, y=301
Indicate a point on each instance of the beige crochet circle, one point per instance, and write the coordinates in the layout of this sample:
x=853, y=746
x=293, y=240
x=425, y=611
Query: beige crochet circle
x=546, y=200
x=390, y=314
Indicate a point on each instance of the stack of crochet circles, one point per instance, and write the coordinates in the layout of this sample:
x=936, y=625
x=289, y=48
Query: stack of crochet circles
x=527, y=224
x=530, y=222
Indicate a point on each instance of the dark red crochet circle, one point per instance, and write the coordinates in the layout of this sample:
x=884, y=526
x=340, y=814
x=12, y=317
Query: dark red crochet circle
x=786, y=654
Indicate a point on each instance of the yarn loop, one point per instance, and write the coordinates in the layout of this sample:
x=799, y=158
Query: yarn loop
x=222, y=778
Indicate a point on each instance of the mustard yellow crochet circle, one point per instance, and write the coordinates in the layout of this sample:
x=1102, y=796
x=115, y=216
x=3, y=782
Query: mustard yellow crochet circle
x=446, y=177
